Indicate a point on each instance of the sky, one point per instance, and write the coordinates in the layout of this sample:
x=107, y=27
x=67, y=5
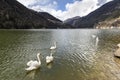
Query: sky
x=64, y=9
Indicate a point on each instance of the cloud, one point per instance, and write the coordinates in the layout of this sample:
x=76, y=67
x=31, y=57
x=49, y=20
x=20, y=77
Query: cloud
x=77, y=8
x=101, y=2
x=80, y=8
x=28, y=3
x=47, y=8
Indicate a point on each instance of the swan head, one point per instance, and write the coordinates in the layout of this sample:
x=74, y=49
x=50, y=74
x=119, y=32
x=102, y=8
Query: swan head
x=55, y=43
x=38, y=54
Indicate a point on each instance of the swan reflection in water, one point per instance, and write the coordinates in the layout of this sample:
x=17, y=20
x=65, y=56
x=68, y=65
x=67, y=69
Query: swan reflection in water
x=31, y=74
x=49, y=66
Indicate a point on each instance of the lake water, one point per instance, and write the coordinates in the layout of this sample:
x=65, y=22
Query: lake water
x=77, y=56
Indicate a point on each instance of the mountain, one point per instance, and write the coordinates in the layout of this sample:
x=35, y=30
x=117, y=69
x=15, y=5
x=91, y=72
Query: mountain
x=14, y=15
x=108, y=12
x=72, y=21
x=109, y=23
x=49, y=17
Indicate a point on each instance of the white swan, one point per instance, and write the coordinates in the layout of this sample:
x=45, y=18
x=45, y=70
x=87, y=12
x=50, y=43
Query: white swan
x=93, y=36
x=32, y=65
x=49, y=59
x=97, y=40
x=53, y=47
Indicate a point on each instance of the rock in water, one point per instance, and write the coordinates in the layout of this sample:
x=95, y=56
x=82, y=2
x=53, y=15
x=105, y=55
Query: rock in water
x=117, y=53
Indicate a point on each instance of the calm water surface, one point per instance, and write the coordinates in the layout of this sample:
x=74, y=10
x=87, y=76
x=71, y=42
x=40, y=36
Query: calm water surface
x=77, y=57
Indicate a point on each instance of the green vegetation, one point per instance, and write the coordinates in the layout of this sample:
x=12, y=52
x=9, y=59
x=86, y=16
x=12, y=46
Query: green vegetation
x=15, y=15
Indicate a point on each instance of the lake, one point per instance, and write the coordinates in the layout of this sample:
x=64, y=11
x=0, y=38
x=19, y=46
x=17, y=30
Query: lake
x=77, y=56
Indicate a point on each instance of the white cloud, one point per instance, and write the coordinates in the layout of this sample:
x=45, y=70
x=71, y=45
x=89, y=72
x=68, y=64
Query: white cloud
x=109, y=0
x=78, y=8
x=32, y=2
x=47, y=8
x=27, y=2
x=101, y=2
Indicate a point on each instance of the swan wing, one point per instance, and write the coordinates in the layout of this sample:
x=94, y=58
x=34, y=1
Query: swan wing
x=36, y=64
x=49, y=59
x=52, y=47
x=33, y=65
x=30, y=68
x=30, y=62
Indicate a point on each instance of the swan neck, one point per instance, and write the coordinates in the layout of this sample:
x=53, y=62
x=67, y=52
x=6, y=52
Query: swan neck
x=38, y=59
x=50, y=54
x=97, y=40
x=55, y=44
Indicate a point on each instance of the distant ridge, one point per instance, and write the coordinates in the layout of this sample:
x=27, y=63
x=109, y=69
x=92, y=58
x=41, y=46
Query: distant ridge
x=100, y=17
x=14, y=15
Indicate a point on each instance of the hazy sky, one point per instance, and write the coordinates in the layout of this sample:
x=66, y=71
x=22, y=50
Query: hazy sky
x=64, y=9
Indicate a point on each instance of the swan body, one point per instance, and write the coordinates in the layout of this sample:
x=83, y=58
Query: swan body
x=49, y=59
x=53, y=47
x=32, y=65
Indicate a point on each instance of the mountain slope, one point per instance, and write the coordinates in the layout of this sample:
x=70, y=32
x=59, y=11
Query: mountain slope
x=48, y=16
x=15, y=15
x=108, y=11
x=72, y=21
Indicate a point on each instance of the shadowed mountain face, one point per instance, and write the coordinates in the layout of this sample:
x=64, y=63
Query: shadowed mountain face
x=15, y=15
x=72, y=21
x=49, y=17
x=109, y=11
